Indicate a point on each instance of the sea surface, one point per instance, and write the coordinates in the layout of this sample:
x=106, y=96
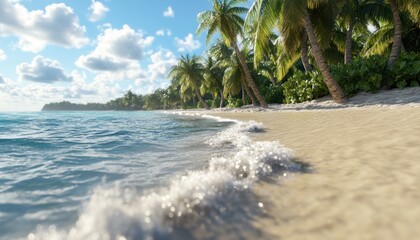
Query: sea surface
x=131, y=175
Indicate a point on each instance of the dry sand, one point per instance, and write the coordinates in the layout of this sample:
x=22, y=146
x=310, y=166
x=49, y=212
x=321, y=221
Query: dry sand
x=365, y=168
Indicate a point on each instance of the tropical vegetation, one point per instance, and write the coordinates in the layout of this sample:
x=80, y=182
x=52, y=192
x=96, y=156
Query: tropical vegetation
x=290, y=51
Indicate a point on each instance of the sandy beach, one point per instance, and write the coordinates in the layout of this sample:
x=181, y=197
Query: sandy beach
x=364, y=178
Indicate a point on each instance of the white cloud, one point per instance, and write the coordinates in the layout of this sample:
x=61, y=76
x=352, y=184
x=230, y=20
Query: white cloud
x=163, y=32
x=98, y=11
x=97, y=90
x=169, y=12
x=187, y=44
x=97, y=62
x=56, y=24
x=117, y=57
x=117, y=49
x=24, y=96
x=117, y=54
x=104, y=26
x=161, y=62
x=1, y=79
x=160, y=32
x=42, y=70
x=19, y=96
x=2, y=55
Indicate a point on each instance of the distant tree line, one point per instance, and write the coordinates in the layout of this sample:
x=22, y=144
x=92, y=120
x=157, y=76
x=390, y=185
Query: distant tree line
x=159, y=100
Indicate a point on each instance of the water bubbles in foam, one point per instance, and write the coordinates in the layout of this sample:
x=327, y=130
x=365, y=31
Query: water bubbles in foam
x=236, y=135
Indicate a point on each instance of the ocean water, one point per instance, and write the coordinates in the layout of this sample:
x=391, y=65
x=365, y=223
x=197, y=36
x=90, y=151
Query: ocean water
x=131, y=175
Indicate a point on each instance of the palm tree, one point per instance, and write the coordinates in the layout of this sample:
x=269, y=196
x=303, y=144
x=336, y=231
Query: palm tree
x=413, y=9
x=189, y=72
x=213, y=79
x=333, y=87
x=266, y=44
x=293, y=16
x=382, y=40
x=348, y=18
x=398, y=8
x=233, y=77
x=225, y=18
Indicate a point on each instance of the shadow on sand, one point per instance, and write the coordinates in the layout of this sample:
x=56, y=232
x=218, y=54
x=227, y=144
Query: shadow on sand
x=232, y=216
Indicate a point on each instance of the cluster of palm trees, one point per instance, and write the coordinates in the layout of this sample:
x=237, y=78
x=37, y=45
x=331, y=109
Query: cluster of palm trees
x=272, y=36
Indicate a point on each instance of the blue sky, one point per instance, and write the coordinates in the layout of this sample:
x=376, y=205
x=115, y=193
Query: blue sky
x=91, y=51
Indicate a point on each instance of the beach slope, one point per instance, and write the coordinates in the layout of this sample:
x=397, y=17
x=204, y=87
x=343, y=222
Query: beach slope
x=364, y=178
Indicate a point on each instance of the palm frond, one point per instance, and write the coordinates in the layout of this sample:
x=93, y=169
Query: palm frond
x=380, y=41
x=413, y=8
x=293, y=14
x=375, y=10
x=262, y=17
x=285, y=63
x=237, y=10
x=323, y=18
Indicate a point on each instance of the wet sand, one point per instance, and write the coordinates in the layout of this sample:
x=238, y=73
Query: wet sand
x=364, y=181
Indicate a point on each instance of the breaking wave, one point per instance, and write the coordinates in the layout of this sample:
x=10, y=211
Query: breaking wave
x=121, y=214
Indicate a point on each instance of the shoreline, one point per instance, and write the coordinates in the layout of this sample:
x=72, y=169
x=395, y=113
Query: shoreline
x=365, y=178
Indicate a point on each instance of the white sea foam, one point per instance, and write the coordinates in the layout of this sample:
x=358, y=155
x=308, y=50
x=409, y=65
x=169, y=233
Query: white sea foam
x=183, y=113
x=236, y=135
x=195, y=114
x=219, y=119
x=119, y=214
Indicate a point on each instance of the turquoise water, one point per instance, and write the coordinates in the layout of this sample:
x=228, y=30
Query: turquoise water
x=51, y=161
x=132, y=175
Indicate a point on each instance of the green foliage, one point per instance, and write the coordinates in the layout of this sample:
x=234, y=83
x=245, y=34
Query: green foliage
x=406, y=71
x=234, y=103
x=215, y=103
x=362, y=74
x=303, y=87
x=366, y=74
x=273, y=93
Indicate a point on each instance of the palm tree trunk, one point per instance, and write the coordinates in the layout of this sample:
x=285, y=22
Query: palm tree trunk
x=248, y=92
x=304, y=52
x=333, y=87
x=194, y=101
x=249, y=78
x=243, y=93
x=222, y=99
x=397, y=42
x=201, y=99
x=348, y=48
x=272, y=78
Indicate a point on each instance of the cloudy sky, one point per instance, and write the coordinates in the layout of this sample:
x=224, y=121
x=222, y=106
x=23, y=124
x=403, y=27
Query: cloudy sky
x=91, y=51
